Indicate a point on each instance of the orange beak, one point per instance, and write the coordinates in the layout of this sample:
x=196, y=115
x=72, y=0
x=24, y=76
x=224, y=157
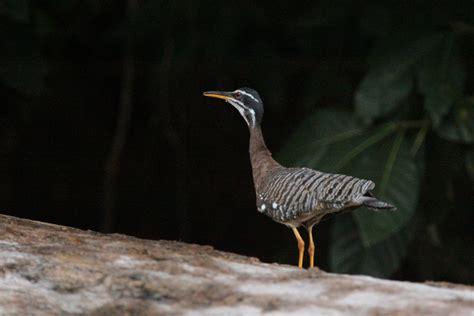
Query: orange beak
x=218, y=95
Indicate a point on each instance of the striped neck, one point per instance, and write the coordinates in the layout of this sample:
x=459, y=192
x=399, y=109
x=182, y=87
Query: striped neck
x=260, y=157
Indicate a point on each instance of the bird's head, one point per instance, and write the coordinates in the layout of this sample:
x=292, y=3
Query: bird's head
x=245, y=100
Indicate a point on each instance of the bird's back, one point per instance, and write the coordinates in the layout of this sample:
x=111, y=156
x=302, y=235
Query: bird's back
x=303, y=196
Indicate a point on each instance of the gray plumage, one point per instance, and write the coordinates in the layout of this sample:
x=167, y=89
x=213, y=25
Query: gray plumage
x=303, y=196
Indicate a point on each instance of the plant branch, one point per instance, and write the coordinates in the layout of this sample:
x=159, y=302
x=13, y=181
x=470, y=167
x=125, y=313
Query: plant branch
x=420, y=137
x=391, y=161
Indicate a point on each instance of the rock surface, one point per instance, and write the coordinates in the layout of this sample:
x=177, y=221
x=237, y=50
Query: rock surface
x=47, y=269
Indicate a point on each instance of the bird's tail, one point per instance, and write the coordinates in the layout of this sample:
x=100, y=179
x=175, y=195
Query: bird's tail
x=378, y=205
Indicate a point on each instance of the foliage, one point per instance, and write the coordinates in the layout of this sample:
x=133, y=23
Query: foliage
x=383, y=154
x=383, y=142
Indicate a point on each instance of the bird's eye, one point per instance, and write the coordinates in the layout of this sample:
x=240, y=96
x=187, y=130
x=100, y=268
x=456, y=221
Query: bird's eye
x=237, y=95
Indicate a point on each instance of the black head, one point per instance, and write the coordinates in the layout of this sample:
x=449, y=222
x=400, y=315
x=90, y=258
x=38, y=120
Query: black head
x=245, y=100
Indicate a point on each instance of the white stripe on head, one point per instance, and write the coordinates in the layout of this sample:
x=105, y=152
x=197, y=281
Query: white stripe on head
x=242, y=108
x=249, y=95
x=253, y=117
x=237, y=102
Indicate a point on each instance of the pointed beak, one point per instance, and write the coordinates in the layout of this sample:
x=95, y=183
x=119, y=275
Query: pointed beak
x=218, y=94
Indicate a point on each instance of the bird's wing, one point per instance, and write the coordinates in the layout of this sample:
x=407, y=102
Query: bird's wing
x=302, y=190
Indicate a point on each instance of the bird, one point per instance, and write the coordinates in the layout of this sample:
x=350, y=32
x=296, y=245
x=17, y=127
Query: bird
x=296, y=196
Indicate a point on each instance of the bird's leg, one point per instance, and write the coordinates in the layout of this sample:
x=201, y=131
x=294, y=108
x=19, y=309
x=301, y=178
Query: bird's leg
x=300, y=247
x=311, y=247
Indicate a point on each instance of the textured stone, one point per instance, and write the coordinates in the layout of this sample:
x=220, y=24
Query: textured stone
x=47, y=269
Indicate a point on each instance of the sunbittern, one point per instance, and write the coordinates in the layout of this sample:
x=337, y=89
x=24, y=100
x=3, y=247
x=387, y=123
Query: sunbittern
x=295, y=196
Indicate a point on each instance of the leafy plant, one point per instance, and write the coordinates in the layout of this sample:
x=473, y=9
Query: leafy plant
x=342, y=145
x=377, y=142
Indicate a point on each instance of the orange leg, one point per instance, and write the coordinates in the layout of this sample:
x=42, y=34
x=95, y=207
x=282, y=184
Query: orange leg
x=311, y=247
x=300, y=247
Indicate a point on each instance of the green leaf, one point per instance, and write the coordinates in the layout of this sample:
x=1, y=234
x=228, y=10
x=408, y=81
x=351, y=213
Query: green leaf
x=324, y=127
x=380, y=92
x=332, y=141
x=18, y=10
x=441, y=79
x=392, y=167
x=390, y=77
x=348, y=254
x=458, y=126
x=377, y=156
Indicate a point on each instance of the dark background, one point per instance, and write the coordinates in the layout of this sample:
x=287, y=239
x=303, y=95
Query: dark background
x=103, y=125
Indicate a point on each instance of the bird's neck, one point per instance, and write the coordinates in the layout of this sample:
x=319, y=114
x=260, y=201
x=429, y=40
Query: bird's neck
x=260, y=157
